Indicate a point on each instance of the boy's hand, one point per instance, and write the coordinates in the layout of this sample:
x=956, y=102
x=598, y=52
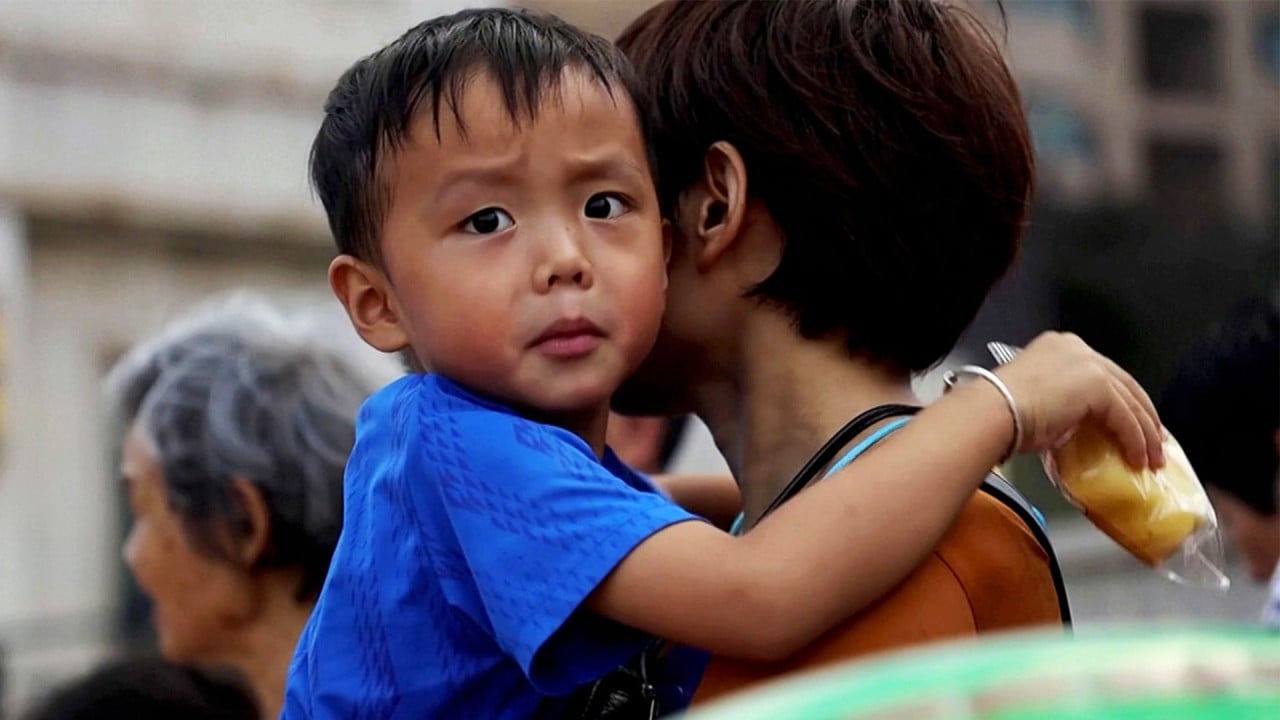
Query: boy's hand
x=1059, y=382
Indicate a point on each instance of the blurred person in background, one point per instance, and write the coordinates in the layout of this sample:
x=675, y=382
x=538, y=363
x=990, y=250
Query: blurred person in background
x=648, y=443
x=240, y=420
x=1223, y=406
x=149, y=689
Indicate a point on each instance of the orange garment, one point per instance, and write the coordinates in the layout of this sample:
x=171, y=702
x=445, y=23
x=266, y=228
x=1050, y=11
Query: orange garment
x=989, y=573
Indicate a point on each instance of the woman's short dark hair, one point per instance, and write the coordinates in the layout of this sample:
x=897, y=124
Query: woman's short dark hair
x=885, y=137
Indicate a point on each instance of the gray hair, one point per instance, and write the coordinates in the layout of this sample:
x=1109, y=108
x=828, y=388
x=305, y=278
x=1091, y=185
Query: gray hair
x=240, y=390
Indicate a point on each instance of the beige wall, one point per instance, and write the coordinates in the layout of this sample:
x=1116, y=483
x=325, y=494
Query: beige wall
x=603, y=17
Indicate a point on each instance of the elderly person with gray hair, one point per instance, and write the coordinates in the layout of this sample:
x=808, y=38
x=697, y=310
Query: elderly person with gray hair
x=240, y=420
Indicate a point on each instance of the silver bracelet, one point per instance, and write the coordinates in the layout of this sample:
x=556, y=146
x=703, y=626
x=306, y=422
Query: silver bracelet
x=950, y=378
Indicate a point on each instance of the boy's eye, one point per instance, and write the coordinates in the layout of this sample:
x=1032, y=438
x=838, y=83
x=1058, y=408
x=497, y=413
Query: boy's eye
x=487, y=221
x=604, y=206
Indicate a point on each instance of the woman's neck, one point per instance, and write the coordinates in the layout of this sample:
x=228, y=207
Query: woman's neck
x=263, y=649
x=786, y=398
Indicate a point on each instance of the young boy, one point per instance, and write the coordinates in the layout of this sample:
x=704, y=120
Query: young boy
x=488, y=183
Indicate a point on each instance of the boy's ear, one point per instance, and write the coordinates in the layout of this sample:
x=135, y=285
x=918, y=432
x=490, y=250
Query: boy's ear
x=711, y=211
x=365, y=293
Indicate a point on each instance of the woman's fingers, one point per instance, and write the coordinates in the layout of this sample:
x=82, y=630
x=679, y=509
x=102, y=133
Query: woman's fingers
x=1151, y=452
x=1122, y=419
x=1060, y=382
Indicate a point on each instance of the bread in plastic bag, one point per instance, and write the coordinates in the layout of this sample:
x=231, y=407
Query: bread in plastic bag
x=1162, y=517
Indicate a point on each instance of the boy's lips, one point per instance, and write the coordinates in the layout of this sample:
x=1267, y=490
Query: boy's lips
x=568, y=338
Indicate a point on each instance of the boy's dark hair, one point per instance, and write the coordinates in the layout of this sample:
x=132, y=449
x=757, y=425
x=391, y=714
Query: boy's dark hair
x=886, y=138
x=152, y=689
x=369, y=113
x=1223, y=404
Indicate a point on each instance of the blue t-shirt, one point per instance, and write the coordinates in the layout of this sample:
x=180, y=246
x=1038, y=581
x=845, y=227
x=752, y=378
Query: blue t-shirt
x=471, y=537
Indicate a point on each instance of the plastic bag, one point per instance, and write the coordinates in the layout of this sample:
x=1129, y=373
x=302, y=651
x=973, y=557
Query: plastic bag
x=1162, y=517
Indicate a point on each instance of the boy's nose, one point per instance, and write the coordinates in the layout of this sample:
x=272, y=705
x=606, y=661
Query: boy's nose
x=566, y=264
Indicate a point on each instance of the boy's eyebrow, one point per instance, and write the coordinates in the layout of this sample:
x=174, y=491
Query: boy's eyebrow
x=481, y=175
x=585, y=167
x=604, y=165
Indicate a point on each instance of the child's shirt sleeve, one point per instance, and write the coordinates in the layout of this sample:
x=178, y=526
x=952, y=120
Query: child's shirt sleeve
x=523, y=523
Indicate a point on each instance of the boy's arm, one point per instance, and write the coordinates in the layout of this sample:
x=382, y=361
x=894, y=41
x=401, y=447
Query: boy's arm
x=714, y=497
x=844, y=542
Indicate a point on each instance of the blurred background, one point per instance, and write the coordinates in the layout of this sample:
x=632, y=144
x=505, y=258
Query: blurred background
x=153, y=152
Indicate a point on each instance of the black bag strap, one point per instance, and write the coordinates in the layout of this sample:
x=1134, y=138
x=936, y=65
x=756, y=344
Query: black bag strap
x=827, y=452
x=995, y=486
x=626, y=693
x=1004, y=491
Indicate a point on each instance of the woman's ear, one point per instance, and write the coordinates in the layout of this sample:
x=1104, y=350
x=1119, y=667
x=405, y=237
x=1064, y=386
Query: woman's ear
x=251, y=544
x=366, y=294
x=711, y=211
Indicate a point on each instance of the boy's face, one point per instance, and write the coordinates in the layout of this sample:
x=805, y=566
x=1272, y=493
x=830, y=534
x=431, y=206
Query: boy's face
x=528, y=262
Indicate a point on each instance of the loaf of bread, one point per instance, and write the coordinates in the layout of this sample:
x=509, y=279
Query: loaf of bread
x=1148, y=512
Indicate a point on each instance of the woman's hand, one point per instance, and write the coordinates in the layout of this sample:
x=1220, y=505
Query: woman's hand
x=1059, y=382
